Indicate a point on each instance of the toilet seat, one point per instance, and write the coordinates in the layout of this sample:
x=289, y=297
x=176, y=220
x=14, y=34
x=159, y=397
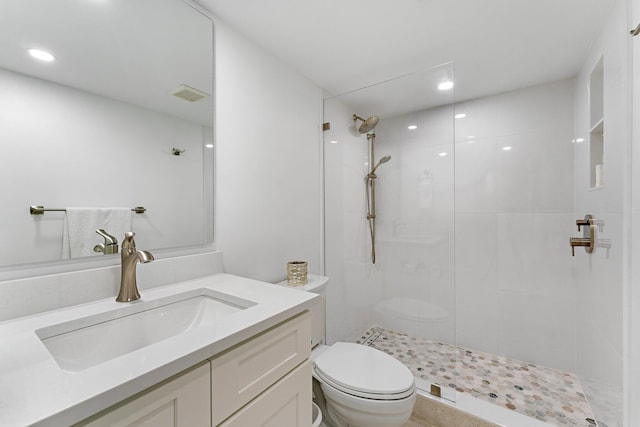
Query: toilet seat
x=364, y=372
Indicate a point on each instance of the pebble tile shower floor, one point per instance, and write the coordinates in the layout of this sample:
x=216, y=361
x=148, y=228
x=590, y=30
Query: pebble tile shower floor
x=546, y=394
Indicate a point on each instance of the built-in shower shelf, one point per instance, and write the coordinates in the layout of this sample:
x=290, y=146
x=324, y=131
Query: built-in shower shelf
x=596, y=132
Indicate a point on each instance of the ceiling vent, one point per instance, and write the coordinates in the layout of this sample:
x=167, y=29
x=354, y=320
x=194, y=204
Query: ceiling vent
x=188, y=93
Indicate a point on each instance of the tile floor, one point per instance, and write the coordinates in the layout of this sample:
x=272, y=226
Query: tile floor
x=546, y=394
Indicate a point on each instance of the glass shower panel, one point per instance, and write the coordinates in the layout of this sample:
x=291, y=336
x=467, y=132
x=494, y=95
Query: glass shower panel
x=404, y=303
x=515, y=297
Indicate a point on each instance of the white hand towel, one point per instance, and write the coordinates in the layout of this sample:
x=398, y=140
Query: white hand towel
x=79, y=236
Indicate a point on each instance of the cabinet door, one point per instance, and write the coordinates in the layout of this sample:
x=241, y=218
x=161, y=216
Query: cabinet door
x=245, y=371
x=285, y=404
x=183, y=401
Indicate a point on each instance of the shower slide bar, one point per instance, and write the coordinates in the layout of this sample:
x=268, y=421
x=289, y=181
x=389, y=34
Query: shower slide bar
x=40, y=210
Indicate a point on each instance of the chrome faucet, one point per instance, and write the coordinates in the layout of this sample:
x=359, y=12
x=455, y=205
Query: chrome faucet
x=110, y=245
x=130, y=257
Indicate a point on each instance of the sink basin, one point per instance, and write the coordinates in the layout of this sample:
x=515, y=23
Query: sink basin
x=82, y=343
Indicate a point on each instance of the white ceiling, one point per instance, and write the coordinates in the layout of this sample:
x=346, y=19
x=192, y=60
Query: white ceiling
x=497, y=45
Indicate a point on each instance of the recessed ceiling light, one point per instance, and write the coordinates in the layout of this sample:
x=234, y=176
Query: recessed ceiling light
x=471, y=136
x=472, y=141
x=209, y=145
x=442, y=154
x=580, y=140
x=506, y=148
x=333, y=142
x=41, y=55
x=446, y=85
x=460, y=116
x=412, y=127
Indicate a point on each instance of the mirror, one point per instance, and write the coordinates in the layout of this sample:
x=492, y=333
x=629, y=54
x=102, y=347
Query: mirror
x=105, y=123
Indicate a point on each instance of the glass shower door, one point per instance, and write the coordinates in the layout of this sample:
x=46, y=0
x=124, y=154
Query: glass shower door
x=404, y=303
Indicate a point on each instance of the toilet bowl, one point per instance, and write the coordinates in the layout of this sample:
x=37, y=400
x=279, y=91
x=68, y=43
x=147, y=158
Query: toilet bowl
x=358, y=386
x=355, y=385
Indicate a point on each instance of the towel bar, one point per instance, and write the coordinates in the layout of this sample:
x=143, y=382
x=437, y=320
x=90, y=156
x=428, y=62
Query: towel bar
x=40, y=210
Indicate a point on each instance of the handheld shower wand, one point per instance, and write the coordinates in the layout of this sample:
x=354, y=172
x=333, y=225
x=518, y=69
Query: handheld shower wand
x=370, y=180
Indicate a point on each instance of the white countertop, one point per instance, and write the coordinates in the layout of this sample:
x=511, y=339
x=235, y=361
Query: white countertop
x=34, y=390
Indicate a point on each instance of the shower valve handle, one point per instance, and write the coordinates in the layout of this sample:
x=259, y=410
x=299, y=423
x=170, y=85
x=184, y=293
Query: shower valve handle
x=588, y=239
x=584, y=222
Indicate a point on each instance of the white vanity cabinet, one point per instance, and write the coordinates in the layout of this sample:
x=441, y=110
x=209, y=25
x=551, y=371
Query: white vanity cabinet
x=262, y=381
x=257, y=369
x=182, y=401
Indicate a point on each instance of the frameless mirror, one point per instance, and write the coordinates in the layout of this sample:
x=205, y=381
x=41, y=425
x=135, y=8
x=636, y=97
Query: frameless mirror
x=117, y=112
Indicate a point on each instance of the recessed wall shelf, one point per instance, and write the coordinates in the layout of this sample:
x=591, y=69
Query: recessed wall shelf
x=596, y=125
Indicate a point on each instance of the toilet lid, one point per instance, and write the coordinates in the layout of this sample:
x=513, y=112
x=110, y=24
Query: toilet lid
x=364, y=371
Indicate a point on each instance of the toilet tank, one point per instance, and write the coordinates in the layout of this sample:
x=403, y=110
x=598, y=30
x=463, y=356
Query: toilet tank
x=317, y=285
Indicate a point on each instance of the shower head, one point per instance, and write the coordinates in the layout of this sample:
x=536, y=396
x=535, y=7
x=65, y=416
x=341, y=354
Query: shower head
x=385, y=159
x=367, y=124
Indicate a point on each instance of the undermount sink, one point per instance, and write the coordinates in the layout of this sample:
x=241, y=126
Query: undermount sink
x=82, y=343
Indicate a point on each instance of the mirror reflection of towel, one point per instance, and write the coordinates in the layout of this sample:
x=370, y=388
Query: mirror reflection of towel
x=80, y=225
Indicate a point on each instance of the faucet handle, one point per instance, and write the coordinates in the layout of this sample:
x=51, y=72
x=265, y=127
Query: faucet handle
x=128, y=242
x=108, y=238
x=110, y=245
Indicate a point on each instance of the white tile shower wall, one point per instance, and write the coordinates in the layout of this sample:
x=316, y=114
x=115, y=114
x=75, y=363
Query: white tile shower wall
x=599, y=277
x=514, y=294
x=119, y=137
x=268, y=169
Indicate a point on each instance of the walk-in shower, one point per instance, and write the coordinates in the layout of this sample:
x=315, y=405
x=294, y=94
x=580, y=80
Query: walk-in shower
x=456, y=293
x=370, y=179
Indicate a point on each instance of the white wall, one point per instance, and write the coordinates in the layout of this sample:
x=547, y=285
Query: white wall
x=268, y=168
x=65, y=147
x=632, y=334
x=599, y=277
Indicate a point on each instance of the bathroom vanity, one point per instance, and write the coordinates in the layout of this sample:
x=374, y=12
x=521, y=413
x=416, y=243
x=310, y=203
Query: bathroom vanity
x=219, y=350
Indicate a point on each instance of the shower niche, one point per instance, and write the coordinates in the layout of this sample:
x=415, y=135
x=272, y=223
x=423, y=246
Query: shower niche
x=596, y=126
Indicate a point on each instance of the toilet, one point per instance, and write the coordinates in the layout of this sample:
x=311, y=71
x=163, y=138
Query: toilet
x=355, y=385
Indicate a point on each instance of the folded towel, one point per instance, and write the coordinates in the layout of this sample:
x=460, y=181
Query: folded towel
x=80, y=225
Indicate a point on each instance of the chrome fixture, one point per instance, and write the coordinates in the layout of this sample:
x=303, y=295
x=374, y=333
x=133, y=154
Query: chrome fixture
x=40, y=210
x=370, y=179
x=110, y=245
x=589, y=235
x=130, y=257
x=367, y=124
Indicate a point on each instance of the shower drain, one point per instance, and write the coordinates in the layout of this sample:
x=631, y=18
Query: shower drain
x=372, y=338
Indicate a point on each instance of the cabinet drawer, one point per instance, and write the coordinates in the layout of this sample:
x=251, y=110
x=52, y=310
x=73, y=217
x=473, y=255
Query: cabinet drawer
x=287, y=403
x=245, y=371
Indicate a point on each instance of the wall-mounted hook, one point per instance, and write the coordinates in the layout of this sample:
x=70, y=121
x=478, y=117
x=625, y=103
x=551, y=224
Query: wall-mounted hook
x=176, y=151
